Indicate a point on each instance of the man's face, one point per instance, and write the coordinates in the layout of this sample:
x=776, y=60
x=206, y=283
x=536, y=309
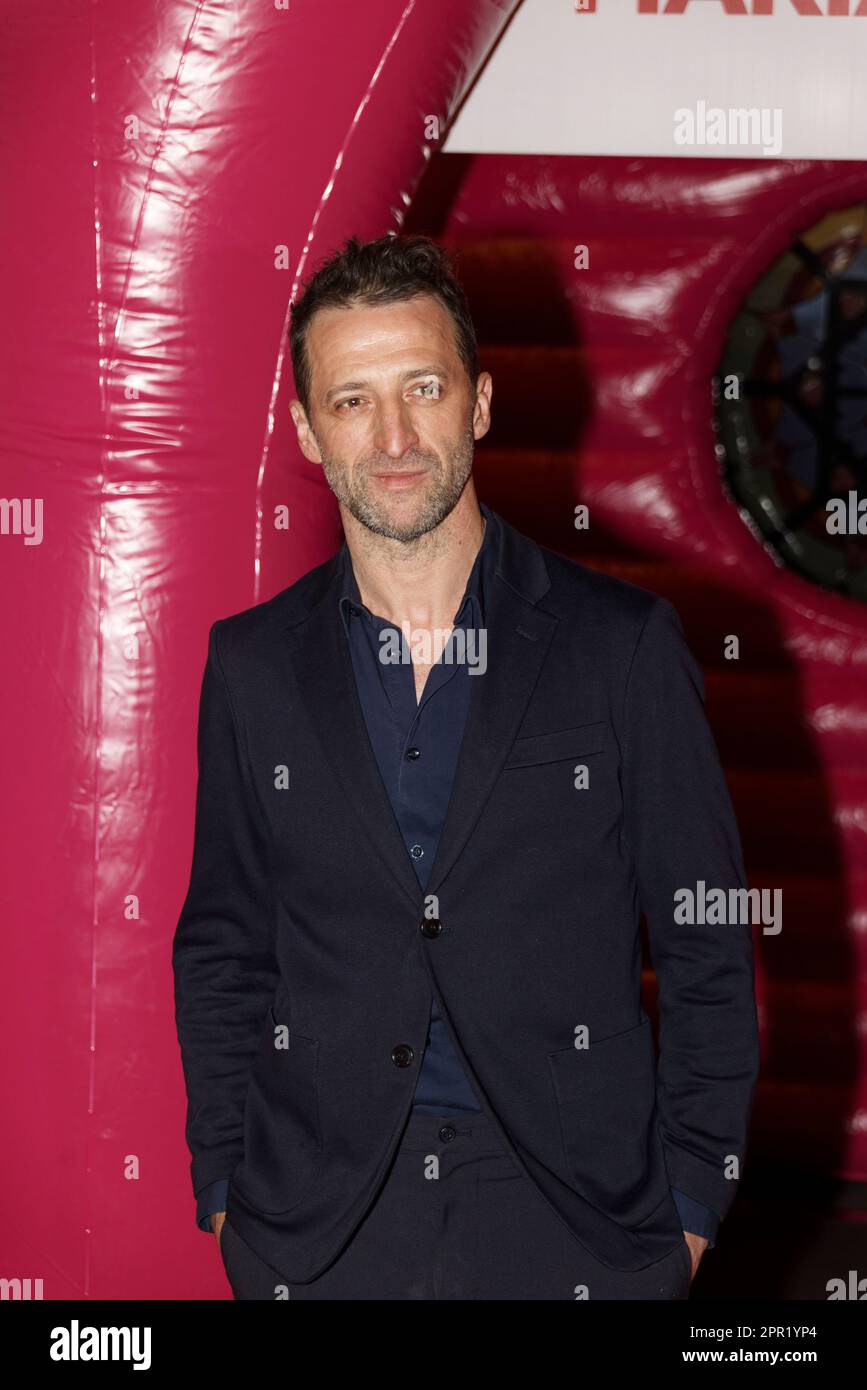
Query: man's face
x=393, y=418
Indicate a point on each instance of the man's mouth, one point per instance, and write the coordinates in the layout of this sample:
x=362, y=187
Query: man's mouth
x=400, y=479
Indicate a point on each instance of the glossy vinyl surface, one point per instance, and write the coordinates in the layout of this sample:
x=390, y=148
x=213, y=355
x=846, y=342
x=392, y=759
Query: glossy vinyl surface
x=171, y=169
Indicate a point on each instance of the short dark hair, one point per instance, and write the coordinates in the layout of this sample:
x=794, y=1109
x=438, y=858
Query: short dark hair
x=386, y=270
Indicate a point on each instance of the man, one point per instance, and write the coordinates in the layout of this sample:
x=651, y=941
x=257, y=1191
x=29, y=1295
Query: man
x=439, y=778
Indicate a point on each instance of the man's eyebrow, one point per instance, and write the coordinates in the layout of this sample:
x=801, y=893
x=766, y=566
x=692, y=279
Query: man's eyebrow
x=404, y=376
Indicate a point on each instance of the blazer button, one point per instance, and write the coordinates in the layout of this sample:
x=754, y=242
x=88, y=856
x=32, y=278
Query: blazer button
x=402, y=1055
x=431, y=926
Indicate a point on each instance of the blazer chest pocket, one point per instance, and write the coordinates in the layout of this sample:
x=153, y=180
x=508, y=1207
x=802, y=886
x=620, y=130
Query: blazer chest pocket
x=606, y=1097
x=282, y=1133
x=560, y=744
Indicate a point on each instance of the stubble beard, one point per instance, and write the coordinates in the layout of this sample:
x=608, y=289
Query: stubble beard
x=442, y=494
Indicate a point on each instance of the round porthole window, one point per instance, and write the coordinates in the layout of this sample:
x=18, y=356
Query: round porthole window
x=790, y=404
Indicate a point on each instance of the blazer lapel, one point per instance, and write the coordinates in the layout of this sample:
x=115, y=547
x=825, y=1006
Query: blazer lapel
x=518, y=638
x=323, y=672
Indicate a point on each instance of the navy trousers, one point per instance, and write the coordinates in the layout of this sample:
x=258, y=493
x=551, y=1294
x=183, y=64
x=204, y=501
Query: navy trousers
x=455, y=1218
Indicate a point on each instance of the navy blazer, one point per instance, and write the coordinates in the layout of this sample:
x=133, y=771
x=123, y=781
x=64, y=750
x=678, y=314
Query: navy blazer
x=307, y=953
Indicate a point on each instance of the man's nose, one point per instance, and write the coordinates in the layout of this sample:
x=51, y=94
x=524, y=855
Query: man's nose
x=394, y=431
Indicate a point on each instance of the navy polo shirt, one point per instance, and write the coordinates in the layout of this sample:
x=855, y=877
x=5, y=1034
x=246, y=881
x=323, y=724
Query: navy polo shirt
x=416, y=744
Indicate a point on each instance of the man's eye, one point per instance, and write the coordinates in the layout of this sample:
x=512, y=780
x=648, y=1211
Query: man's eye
x=351, y=401
x=431, y=389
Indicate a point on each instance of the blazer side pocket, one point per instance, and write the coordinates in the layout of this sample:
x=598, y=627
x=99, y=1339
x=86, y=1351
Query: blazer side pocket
x=282, y=1131
x=606, y=1098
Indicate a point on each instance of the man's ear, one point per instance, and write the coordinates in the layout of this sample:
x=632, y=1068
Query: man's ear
x=482, y=405
x=306, y=438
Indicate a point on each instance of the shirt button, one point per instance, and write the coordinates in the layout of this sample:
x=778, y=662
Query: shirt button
x=431, y=926
x=402, y=1055
x=412, y=754
x=448, y=1133
x=416, y=851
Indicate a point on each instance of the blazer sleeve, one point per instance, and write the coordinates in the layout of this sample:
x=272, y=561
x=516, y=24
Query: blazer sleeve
x=681, y=829
x=225, y=970
x=213, y=1198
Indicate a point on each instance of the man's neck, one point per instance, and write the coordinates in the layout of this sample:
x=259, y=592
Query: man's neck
x=419, y=582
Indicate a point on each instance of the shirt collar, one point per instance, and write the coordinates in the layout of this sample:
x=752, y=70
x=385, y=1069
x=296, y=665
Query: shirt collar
x=473, y=597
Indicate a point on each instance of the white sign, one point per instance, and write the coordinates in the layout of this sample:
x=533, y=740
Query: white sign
x=751, y=78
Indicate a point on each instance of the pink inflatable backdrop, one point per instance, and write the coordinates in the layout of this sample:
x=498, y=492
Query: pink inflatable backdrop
x=172, y=169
